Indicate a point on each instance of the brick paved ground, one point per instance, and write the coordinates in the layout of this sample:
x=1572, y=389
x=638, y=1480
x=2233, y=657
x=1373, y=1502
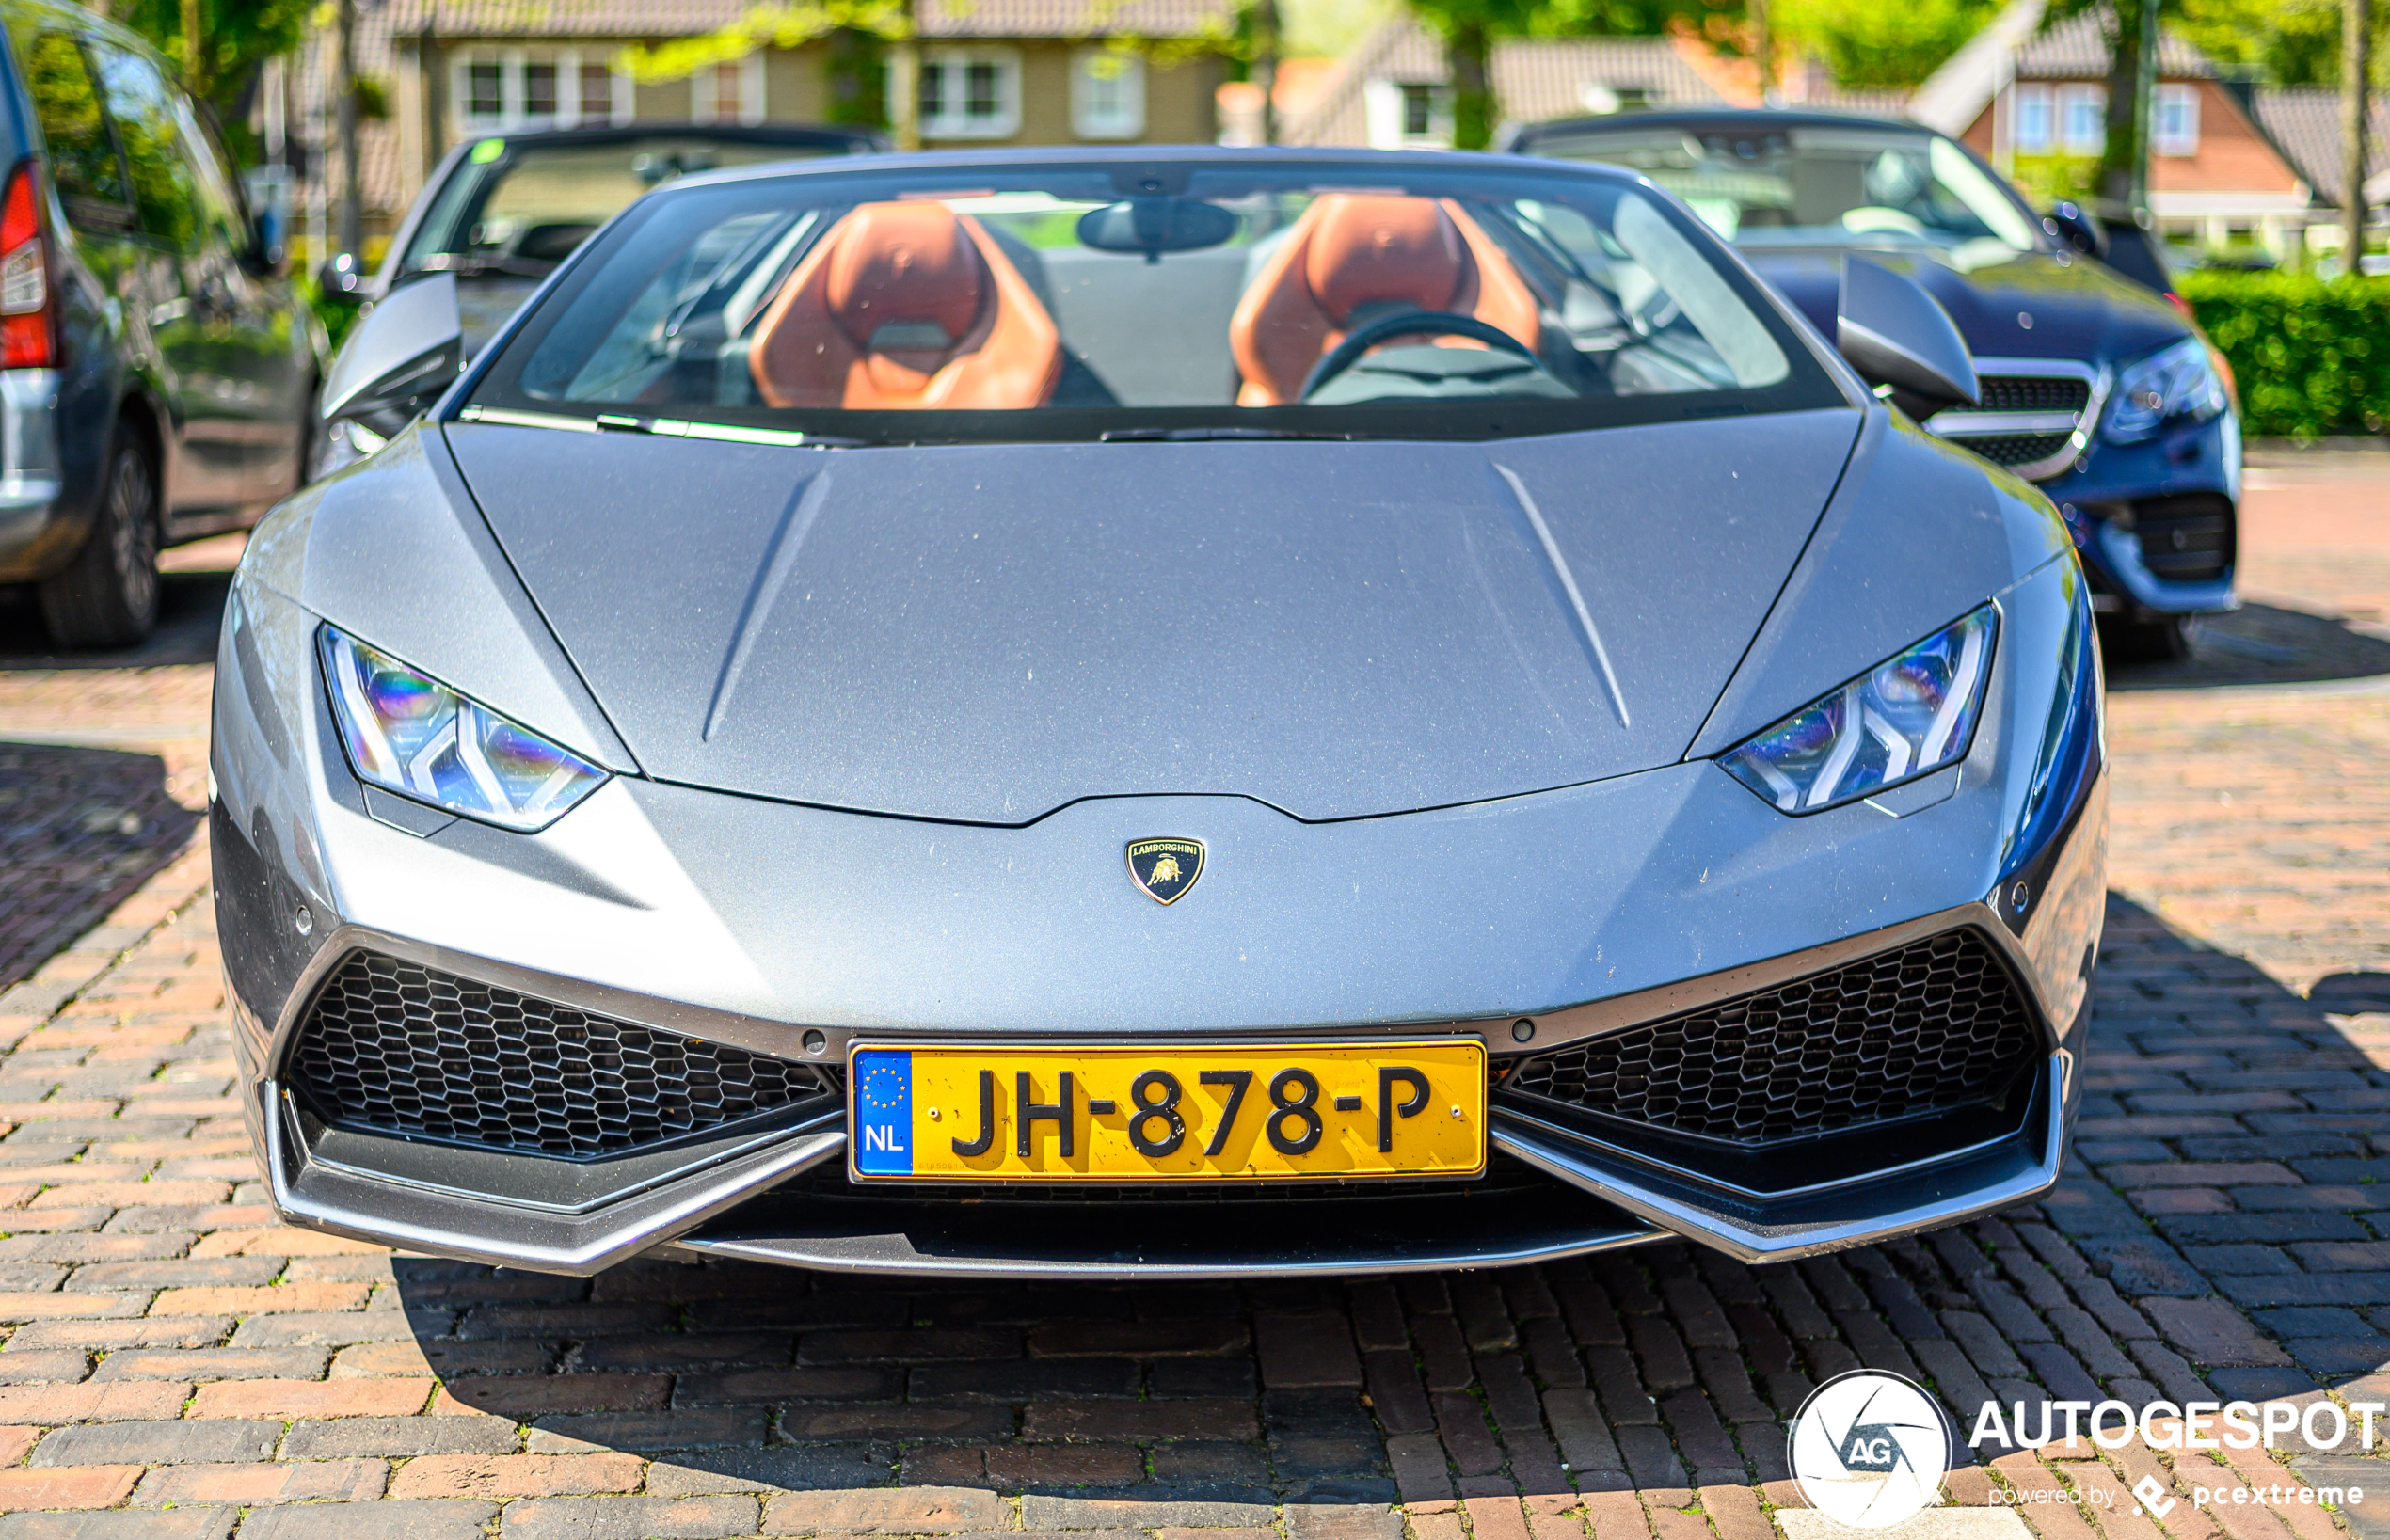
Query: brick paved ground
x=177, y=1365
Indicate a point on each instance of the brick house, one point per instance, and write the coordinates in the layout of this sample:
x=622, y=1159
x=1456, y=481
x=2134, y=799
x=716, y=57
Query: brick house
x=994, y=72
x=2034, y=101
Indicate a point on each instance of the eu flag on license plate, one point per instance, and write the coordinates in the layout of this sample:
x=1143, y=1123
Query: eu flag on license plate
x=882, y=1118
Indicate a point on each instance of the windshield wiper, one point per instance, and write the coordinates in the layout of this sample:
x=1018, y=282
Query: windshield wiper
x=731, y=432
x=1179, y=436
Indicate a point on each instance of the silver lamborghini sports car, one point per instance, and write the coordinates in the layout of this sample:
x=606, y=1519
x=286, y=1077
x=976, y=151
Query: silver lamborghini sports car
x=1128, y=714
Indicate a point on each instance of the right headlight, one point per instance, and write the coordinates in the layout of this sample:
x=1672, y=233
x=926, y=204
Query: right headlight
x=1908, y=716
x=405, y=732
x=2177, y=380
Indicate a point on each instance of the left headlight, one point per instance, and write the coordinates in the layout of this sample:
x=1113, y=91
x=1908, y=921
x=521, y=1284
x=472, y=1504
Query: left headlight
x=1907, y=717
x=405, y=732
x=2177, y=380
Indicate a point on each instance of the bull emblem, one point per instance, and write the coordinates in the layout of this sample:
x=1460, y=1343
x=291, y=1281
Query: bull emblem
x=1164, y=869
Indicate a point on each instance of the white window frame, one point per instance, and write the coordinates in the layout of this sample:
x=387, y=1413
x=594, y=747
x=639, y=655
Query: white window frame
x=2094, y=100
x=1091, y=118
x=2025, y=104
x=705, y=99
x=1382, y=106
x=945, y=124
x=2183, y=139
x=511, y=117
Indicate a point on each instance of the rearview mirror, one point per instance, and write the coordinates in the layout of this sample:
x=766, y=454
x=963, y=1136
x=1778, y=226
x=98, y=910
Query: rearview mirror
x=1897, y=335
x=404, y=351
x=1156, y=225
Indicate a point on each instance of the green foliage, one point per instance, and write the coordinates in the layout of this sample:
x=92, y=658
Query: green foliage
x=2289, y=42
x=2312, y=356
x=1881, y=42
x=239, y=36
x=2045, y=179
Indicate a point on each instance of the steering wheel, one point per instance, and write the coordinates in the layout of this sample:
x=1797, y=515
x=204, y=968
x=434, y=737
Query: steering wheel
x=1407, y=323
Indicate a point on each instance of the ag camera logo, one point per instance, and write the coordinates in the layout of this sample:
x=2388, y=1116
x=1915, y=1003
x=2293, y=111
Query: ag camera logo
x=1870, y=1449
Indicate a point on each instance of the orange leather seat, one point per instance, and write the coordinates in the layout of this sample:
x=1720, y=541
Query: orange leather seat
x=1351, y=251
x=906, y=306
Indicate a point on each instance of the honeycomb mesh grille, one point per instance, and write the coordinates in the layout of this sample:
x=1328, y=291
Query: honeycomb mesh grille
x=2015, y=448
x=411, y=1050
x=1933, y=1025
x=2031, y=393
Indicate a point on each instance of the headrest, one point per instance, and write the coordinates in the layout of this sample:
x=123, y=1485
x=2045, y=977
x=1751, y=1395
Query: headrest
x=906, y=265
x=1369, y=248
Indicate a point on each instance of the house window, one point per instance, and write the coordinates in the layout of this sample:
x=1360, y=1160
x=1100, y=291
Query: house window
x=2031, y=129
x=729, y=93
x=1108, y=94
x=597, y=93
x=502, y=93
x=2177, y=120
x=2083, y=119
x=1408, y=115
x=970, y=93
x=484, y=93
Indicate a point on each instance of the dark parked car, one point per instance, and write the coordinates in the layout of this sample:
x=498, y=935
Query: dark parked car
x=2094, y=386
x=155, y=374
x=502, y=212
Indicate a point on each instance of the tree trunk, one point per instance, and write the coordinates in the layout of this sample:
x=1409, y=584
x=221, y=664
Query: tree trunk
x=352, y=227
x=1763, y=49
x=2356, y=41
x=904, y=82
x=1472, y=101
x=2132, y=86
x=1265, y=71
x=194, y=50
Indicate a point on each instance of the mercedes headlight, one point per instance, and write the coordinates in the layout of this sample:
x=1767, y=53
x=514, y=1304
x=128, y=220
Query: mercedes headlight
x=2179, y=380
x=408, y=733
x=1907, y=717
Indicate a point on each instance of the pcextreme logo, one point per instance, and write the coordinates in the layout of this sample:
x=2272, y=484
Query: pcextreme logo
x=1870, y=1449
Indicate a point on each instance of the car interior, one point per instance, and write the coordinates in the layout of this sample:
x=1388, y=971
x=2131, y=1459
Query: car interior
x=1022, y=300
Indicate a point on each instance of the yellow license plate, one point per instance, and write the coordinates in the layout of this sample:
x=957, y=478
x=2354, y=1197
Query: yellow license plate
x=941, y=1112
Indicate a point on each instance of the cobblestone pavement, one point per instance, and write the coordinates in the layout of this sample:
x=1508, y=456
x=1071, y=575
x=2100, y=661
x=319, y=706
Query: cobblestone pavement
x=176, y=1364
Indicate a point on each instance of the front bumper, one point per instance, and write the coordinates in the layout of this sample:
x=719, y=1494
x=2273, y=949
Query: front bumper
x=785, y=931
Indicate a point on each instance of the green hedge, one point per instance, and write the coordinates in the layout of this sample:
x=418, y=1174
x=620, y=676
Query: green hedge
x=2312, y=356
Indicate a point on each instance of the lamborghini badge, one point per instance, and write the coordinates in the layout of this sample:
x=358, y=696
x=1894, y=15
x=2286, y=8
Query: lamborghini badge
x=1165, y=869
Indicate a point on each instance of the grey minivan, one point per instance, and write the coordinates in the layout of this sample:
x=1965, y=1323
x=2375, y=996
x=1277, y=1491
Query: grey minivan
x=155, y=370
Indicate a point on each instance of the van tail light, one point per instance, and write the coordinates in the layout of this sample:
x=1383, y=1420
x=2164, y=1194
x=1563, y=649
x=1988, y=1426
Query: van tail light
x=28, y=328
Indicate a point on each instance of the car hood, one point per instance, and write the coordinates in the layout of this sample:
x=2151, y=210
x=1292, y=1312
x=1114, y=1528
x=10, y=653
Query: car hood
x=986, y=633
x=2028, y=307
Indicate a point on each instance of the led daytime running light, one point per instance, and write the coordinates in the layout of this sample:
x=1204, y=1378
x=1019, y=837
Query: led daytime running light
x=407, y=733
x=1907, y=717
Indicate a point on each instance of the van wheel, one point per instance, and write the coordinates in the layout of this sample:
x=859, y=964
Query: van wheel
x=108, y=595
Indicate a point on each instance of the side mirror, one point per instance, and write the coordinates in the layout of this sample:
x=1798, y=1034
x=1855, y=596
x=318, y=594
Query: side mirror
x=1896, y=333
x=2076, y=226
x=400, y=356
x=341, y=279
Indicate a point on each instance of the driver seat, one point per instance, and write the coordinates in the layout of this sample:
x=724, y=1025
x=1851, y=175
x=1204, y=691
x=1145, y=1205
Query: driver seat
x=906, y=306
x=1353, y=257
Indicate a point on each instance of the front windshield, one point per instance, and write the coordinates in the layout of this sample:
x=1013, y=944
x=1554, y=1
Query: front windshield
x=1267, y=298
x=1844, y=184
x=513, y=207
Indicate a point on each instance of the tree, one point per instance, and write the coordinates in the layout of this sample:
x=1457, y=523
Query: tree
x=1881, y=42
x=236, y=38
x=2356, y=79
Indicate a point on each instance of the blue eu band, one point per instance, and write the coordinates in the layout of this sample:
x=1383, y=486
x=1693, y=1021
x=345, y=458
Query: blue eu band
x=883, y=1123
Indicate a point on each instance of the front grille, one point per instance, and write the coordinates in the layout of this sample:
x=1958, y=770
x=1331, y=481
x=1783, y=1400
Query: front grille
x=2031, y=393
x=2185, y=539
x=1936, y=1024
x=398, y=1048
x=2015, y=448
